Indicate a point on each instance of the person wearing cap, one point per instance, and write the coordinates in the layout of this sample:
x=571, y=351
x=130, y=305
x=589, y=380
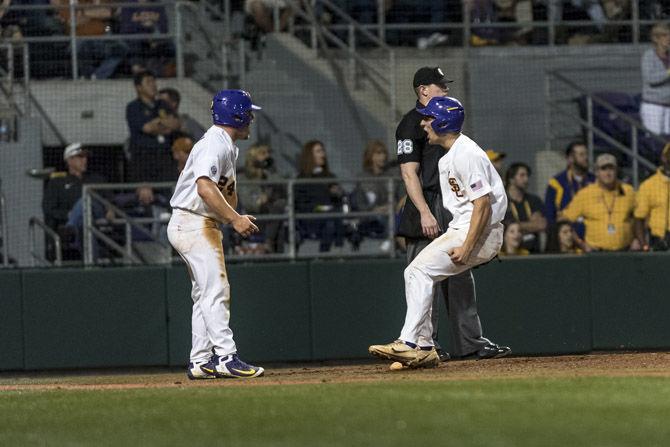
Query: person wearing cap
x=652, y=210
x=563, y=186
x=497, y=160
x=204, y=198
x=424, y=218
x=474, y=194
x=655, y=107
x=606, y=207
x=63, y=190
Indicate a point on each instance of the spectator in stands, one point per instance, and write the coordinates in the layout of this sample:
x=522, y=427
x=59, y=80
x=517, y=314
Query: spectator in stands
x=262, y=11
x=319, y=197
x=497, y=158
x=181, y=148
x=513, y=240
x=98, y=59
x=562, y=239
x=46, y=58
x=61, y=204
x=606, y=207
x=563, y=186
x=189, y=126
x=654, y=9
x=258, y=199
x=152, y=125
x=373, y=195
x=655, y=108
x=488, y=11
x=33, y=22
x=525, y=208
x=155, y=55
x=652, y=210
x=416, y=11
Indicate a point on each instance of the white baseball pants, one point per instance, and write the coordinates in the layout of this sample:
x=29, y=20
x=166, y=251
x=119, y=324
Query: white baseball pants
x=198, y=241
x=433, y=265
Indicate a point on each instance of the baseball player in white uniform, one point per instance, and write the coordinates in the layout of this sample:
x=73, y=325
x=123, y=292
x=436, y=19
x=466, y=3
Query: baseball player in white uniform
x=205, y=197
x=474, y=194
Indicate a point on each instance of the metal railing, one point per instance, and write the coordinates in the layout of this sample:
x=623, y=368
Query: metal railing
x=3, y=230
x=91, y=193
x=36, y=257
x=8, y=83
x=591, y=98
x=75, y=40
x=380, y=72
x=467, y=26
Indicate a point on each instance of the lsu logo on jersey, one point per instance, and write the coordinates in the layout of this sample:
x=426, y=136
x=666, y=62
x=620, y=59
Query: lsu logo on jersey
x=405, y=147
x=455, y=187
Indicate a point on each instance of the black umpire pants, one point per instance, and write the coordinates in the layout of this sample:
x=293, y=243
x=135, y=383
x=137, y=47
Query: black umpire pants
x=458, y=293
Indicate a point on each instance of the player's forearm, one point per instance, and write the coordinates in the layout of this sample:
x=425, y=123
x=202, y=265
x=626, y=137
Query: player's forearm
x=232, y=200
x=216, y=202
x=481, y=215
x=415, y=192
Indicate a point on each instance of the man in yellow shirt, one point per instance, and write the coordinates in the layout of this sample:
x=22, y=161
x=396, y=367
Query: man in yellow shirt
x=653, y=206
x=606, y=208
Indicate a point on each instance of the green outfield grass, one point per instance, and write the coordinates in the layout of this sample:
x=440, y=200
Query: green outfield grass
x=587, y=411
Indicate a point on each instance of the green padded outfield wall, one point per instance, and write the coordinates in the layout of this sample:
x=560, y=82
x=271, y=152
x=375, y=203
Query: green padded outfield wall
x=631, y=301
x=355, y=304
x=71, y=318
x=96, y=317
x=536, y=306
x=270, y=311
x=11, y=327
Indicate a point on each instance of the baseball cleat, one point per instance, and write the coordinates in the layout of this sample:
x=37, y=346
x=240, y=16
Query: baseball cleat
x=231, y=366
x=493, y=351
x=443, y=355
x=195, y=372
x=490, y=351
x=426, y=358
x=399, y=351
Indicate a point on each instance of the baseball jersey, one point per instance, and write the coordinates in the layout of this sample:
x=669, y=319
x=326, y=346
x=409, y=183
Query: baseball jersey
x=214, y=156
x=466, y=174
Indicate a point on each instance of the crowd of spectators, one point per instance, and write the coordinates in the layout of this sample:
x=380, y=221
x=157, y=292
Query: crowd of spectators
x=581, y=211
x=588, y=212
x=101, y=58
x=98, y=56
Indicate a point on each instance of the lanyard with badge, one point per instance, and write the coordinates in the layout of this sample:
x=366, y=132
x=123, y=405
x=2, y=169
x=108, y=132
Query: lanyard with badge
x=611, y=229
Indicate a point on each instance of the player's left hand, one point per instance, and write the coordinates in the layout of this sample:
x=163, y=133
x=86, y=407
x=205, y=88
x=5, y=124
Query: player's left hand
x=458, y=255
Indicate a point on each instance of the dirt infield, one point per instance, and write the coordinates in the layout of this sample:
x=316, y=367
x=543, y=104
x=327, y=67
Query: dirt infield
x=609, y=364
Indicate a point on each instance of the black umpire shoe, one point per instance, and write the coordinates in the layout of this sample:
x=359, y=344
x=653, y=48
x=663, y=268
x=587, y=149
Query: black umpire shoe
x=490, y=351
x=443, y=355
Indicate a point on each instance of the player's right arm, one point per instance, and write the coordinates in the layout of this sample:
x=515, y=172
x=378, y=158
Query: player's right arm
x=216, y=202
x=410, y=176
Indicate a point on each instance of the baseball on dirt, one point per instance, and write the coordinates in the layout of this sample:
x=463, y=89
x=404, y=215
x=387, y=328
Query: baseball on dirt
x=395, y=366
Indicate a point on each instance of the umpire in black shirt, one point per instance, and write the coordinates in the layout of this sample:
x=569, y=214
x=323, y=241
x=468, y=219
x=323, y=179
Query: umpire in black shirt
x=425, y=218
